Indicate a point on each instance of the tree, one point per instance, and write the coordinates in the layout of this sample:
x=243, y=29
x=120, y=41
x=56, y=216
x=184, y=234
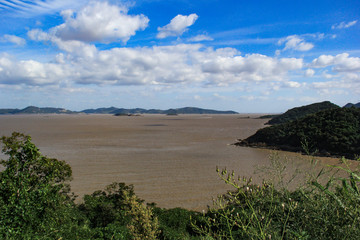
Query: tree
x=34, y=196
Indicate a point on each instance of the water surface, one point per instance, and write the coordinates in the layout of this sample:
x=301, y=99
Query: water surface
x=171, y=160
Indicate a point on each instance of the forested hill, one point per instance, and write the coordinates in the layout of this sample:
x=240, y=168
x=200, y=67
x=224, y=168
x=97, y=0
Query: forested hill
x=299, y=112
x=334, y=132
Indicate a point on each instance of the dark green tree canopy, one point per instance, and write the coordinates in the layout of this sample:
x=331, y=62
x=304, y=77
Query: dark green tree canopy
x=333, y=132
x=33, y=191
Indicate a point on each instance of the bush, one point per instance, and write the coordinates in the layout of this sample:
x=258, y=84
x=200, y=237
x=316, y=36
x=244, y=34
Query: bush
x=176, y=223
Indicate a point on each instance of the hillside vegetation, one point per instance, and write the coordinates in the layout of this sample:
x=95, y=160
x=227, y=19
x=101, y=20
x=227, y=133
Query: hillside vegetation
x=330, y=132
x=299, y=112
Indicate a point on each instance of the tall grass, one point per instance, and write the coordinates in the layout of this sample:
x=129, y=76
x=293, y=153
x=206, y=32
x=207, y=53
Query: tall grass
x=315, y=209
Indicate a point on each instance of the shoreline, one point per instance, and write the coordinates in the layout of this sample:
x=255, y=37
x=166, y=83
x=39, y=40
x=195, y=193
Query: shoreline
x=288, y=148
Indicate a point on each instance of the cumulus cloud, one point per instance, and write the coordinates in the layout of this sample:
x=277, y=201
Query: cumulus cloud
x=341, y=62
x=343, y=25
x=251, y=68
x=343, y=77
x=73, y=47
x=29, y=72
x=14, y=39
x=177, y=26
x=99, y=22
x=295, y=42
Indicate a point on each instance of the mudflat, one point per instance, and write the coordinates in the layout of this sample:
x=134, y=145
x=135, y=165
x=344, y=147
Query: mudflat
x=171, y=160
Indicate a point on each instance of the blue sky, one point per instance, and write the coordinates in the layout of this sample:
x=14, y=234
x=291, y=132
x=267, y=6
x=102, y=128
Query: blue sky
x=247, y=56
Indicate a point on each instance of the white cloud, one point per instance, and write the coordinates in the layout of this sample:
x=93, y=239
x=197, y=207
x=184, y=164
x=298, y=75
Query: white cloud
x=14, y=39
x=309, y=72
x=200, y=38
x=39, y=35
x=74, y=47
x=341, y=62
x=343, y=25
x=291, y=84
x=223, y=70
x=177, y=26
x=295, y=42
x=158, y=65
x=29, y=72
x=99, y=22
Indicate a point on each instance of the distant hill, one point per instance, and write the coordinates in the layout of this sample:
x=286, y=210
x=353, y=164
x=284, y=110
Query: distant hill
x=193, y=110
x=112, y=110
x=332, y=132
x=9, y=110
x=36, y=110
x=186, y=110
x=357, y=105
x=299, y=112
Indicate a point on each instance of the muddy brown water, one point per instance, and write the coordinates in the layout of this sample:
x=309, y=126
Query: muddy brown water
x=171, y=160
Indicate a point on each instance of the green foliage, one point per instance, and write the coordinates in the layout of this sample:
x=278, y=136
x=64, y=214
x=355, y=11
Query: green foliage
x=176, y=223
x=34, y=198
x=117, y=213
x=143, y=224
x=332, y=132
x=108, y=206
x=300, y=112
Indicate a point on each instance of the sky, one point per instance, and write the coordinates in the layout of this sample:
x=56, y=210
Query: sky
x=248, y=56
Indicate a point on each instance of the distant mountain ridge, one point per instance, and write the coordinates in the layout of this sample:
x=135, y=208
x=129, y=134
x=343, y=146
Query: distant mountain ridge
x=349, y=105
x=35, y=110
x=112, y=110
x=185, y=110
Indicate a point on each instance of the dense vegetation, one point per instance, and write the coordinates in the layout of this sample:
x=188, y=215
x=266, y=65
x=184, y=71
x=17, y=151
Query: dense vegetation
x=36, y=203
x=300, y=112
x=330, y=132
